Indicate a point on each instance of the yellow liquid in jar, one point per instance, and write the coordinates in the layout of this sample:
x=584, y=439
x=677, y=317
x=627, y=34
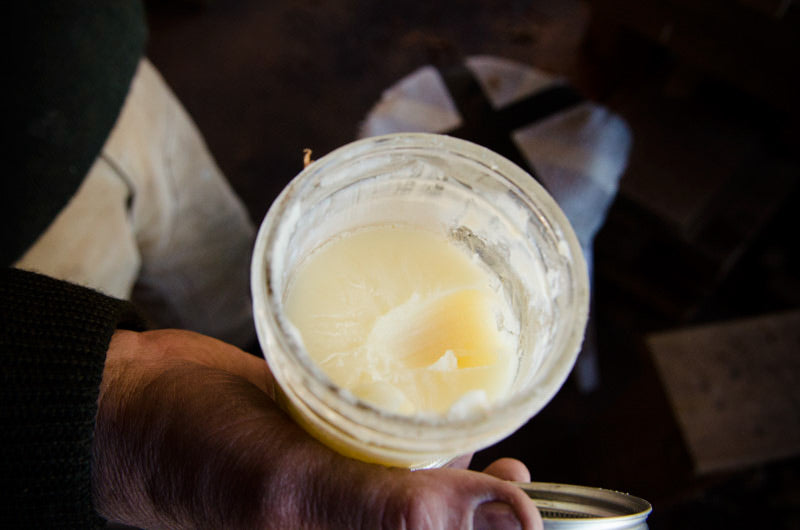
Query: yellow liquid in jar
x=406, y=320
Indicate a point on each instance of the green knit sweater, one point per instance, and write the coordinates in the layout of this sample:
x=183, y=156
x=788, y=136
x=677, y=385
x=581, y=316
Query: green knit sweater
x=53, y=341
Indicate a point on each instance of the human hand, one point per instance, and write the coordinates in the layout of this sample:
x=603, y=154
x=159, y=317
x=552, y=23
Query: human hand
x=188, y=435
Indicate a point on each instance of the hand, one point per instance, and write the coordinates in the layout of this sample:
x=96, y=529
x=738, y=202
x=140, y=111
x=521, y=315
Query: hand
x=188, y=435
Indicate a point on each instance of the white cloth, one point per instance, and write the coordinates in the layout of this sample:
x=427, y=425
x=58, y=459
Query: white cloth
x=578, y=154
x=155, y=221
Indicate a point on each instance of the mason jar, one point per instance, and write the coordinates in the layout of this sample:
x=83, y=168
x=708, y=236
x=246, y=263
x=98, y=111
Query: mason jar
x=479, y=201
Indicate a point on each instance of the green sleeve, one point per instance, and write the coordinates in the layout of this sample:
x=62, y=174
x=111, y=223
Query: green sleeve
x=53, y=342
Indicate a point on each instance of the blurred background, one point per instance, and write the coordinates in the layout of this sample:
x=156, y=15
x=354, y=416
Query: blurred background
x=696, y=405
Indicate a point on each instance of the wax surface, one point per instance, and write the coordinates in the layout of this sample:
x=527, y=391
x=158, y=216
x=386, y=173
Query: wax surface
x=405, y=320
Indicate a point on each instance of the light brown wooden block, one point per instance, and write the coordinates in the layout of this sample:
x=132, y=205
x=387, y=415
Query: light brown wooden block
x=735, y=389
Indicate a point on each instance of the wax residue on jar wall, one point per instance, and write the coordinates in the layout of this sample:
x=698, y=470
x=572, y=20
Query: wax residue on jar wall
x=406, y=320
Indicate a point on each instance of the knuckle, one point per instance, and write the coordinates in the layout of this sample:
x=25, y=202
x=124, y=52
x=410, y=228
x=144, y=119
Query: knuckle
x=413, y=508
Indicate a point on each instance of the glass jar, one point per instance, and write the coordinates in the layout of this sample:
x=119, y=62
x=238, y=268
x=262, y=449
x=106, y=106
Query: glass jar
x=478, y=200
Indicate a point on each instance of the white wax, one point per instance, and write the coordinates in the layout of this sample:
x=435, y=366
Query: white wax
x=406, y=320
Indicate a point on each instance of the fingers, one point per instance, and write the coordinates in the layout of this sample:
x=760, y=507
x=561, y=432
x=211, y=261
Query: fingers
x=509, y=469
x=436, y=499
x=476, y=500
x=495, y=515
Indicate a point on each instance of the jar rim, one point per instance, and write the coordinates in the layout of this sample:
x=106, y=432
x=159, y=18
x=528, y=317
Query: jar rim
x=516, y=409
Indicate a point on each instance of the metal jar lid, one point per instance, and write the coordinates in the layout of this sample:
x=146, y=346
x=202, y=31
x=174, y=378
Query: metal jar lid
x=566, y=507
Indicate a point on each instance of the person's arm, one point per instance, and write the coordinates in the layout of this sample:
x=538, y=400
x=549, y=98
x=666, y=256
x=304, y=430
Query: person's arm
x=53, y=341
x=189, y=436
x=186, y=434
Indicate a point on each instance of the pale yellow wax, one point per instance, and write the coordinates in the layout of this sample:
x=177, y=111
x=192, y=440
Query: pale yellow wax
x=405, y=320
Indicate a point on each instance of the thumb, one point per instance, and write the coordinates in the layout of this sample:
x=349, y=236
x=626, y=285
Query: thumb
x=509, y=469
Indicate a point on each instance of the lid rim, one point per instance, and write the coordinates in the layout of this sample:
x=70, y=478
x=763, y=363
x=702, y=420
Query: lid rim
x=625, y=509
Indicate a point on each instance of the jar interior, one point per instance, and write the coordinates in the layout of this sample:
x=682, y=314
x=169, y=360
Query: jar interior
x=459, y=198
